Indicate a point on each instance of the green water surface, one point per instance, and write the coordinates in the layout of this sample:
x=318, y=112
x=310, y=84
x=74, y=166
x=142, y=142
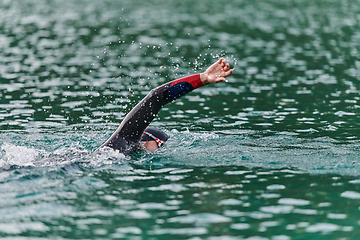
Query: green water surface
x=271, y=154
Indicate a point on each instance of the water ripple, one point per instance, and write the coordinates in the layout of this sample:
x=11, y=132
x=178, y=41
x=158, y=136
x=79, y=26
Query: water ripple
x=268, y=155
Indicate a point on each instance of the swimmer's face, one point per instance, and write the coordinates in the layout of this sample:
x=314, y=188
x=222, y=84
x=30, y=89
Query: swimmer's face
x=150, y=145
x=154, y=144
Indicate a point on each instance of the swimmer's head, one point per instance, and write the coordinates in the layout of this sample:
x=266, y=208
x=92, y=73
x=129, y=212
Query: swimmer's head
x=153, y=138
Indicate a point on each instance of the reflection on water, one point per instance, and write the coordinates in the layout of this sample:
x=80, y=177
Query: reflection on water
x=271, y=154
x=125, y=200
x=296, y=68
x=210, y=186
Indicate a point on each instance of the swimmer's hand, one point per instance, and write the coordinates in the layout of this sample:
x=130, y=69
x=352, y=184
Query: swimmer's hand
x=217, y=72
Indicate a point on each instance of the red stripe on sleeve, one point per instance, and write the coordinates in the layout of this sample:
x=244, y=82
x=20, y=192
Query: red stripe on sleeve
x=194, y=80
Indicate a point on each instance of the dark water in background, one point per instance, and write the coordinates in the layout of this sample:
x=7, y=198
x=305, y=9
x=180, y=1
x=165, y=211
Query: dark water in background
x=272, y=154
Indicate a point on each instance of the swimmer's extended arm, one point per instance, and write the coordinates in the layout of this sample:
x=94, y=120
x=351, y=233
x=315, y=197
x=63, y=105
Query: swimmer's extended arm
x=144, y=112
x=135, y=122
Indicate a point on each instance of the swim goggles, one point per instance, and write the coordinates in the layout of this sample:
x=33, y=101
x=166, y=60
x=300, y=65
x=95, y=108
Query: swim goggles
x=159, y=142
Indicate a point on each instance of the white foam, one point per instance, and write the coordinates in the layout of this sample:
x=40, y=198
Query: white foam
x=22, y=156
x=17, y=155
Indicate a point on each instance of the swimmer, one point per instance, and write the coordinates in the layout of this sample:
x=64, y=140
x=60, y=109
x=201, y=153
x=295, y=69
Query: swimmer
x=134, y=127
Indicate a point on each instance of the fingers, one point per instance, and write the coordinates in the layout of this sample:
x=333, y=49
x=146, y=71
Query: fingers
x=221, y=70
x=228, y=73
x=222, y=62
x=224, y=65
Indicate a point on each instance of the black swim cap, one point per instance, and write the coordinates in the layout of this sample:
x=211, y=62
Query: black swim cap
x=155, y=132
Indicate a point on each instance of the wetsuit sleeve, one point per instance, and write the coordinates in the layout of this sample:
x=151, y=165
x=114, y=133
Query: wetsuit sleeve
x=135, y=122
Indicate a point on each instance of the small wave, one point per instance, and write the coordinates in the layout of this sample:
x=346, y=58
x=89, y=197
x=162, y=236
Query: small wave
x=21, y=156
x=17, y=155
x=209, y=149
x=252, y=149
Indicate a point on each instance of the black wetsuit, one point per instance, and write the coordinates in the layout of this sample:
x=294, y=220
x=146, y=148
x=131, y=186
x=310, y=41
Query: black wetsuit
x=135, y=122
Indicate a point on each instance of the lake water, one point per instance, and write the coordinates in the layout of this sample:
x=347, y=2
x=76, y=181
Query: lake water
x=271, y=154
